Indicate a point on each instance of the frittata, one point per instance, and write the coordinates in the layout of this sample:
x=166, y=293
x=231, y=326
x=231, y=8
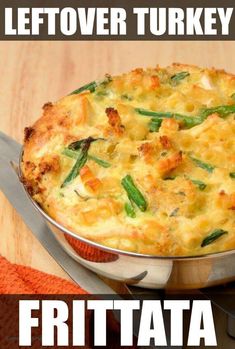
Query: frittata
x=141, y=162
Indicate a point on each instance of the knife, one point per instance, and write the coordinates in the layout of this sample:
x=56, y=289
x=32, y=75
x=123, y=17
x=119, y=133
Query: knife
x=14, y=191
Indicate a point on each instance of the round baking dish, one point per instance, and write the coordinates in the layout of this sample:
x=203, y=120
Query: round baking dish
x=170, y=171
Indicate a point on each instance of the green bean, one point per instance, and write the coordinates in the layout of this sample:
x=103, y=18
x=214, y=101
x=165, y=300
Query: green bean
x=133, y=193
x=213, y=236
x=232, y=175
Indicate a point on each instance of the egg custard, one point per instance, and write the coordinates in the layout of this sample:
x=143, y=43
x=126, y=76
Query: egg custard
x=142, y=162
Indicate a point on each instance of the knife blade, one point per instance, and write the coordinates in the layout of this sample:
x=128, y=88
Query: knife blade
x=9, y=148
x=14, y=191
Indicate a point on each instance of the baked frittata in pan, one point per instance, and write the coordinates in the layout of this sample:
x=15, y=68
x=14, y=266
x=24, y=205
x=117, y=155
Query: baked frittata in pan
x=142, y=162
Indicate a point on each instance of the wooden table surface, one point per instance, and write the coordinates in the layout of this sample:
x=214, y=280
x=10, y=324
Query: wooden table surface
x=33, y=73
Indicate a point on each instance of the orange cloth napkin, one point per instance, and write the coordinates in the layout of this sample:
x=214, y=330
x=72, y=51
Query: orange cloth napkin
x=18, y=279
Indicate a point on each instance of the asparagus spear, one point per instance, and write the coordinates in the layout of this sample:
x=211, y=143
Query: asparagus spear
x=88, y=87
x=77, y=145
x=213, y=236
x=80, y=161
x=154, y=125
x=126, y=97
x=232, y=175
x=133, y=193
x=201, y=185
x=92, y=85
x=70, y=153
x=174, y=212
x=129, y=210
x=169, y=178
x=155, y=114
x=74, y=154
x=175, y=79
x=222, y=110
x=188, y=121
x=99, y=161
x=205, y=166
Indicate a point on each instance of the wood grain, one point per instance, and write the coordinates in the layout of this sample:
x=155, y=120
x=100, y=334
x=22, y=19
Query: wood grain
x=33, y=73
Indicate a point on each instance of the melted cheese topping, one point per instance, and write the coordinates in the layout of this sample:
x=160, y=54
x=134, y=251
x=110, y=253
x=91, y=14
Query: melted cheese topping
x=186, y=202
